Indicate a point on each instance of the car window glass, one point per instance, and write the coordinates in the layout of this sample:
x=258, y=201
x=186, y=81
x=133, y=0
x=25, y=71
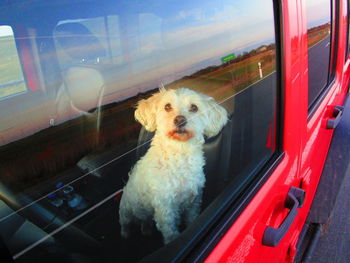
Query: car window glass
x=319, y=32
x=64, y=168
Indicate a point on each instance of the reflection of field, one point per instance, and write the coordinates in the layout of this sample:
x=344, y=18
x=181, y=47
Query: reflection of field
x=57, y=149
x=10, y=68
x=223, y=81
x=316, y=34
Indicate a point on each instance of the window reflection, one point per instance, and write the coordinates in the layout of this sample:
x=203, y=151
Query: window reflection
x=318, y=21
x=11, y=76
x=105, y=60
x=96, y=60
x=319, y=30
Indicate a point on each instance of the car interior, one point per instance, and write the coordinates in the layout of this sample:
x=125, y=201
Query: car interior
x=73, y=136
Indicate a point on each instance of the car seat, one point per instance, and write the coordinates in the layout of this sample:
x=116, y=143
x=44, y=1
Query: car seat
x=82, y=77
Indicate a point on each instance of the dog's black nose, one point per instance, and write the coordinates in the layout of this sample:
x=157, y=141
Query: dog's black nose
x=180, y=121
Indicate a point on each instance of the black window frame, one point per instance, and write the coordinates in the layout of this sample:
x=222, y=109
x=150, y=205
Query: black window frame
x=333, y=56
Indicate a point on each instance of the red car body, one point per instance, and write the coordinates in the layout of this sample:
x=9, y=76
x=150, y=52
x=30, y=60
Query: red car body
x=296, y=161
x=306, y=141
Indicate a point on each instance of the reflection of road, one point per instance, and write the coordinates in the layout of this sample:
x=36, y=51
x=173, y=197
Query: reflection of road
x=254, y=110
x=252, y=120
x=318, y=58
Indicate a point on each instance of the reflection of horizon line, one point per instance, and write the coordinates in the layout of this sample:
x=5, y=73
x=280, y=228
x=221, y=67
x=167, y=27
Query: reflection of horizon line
x=318, y=25
x=235, y=51
x=256, y=82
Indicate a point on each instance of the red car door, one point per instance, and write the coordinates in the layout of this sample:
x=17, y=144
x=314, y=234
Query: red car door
x=69, y=139
x=308, y=103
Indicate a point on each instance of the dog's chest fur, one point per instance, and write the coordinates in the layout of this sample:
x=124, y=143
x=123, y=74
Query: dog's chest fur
x=168, y=173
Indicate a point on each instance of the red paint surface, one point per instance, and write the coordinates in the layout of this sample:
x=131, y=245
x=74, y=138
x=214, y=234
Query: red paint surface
x=305, y=144
x=27, y=59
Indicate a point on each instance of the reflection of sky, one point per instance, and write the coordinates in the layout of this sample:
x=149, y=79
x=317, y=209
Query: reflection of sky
x=156, y=42
x=167, y=40
x=196, y=34
x=235, y=25
x=318, y=12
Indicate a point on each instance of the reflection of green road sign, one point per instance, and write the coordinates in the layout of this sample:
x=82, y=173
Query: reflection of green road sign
x=228, y=57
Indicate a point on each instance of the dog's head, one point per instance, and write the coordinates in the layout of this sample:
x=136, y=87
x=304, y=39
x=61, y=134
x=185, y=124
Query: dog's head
x=181, y=114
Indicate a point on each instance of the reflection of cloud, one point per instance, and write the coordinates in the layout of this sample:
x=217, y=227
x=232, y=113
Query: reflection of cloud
x=239, y=23
x=182, y=43
x=228, y=13
x=197, y=33
x=195, y=14
x=193, y=34
x=215, y=39
x=168, y=47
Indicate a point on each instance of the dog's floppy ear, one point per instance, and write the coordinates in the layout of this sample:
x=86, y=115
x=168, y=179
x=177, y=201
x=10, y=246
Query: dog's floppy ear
x=146, y=112
x=216, y=116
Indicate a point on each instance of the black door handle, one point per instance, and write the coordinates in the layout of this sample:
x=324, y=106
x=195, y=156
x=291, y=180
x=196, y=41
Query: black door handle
x=295, y=199
x=337, y=114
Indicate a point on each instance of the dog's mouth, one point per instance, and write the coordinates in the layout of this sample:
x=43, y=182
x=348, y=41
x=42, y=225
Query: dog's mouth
x=180, y=134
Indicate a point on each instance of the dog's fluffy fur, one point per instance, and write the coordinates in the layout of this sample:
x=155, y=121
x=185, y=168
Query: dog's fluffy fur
x=168, y=180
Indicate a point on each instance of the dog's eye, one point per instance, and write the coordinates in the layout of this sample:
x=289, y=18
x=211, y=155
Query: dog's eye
x=193, y=108
x=168, y=107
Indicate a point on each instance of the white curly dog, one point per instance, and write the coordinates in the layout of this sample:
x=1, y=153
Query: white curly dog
x=168, y=180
